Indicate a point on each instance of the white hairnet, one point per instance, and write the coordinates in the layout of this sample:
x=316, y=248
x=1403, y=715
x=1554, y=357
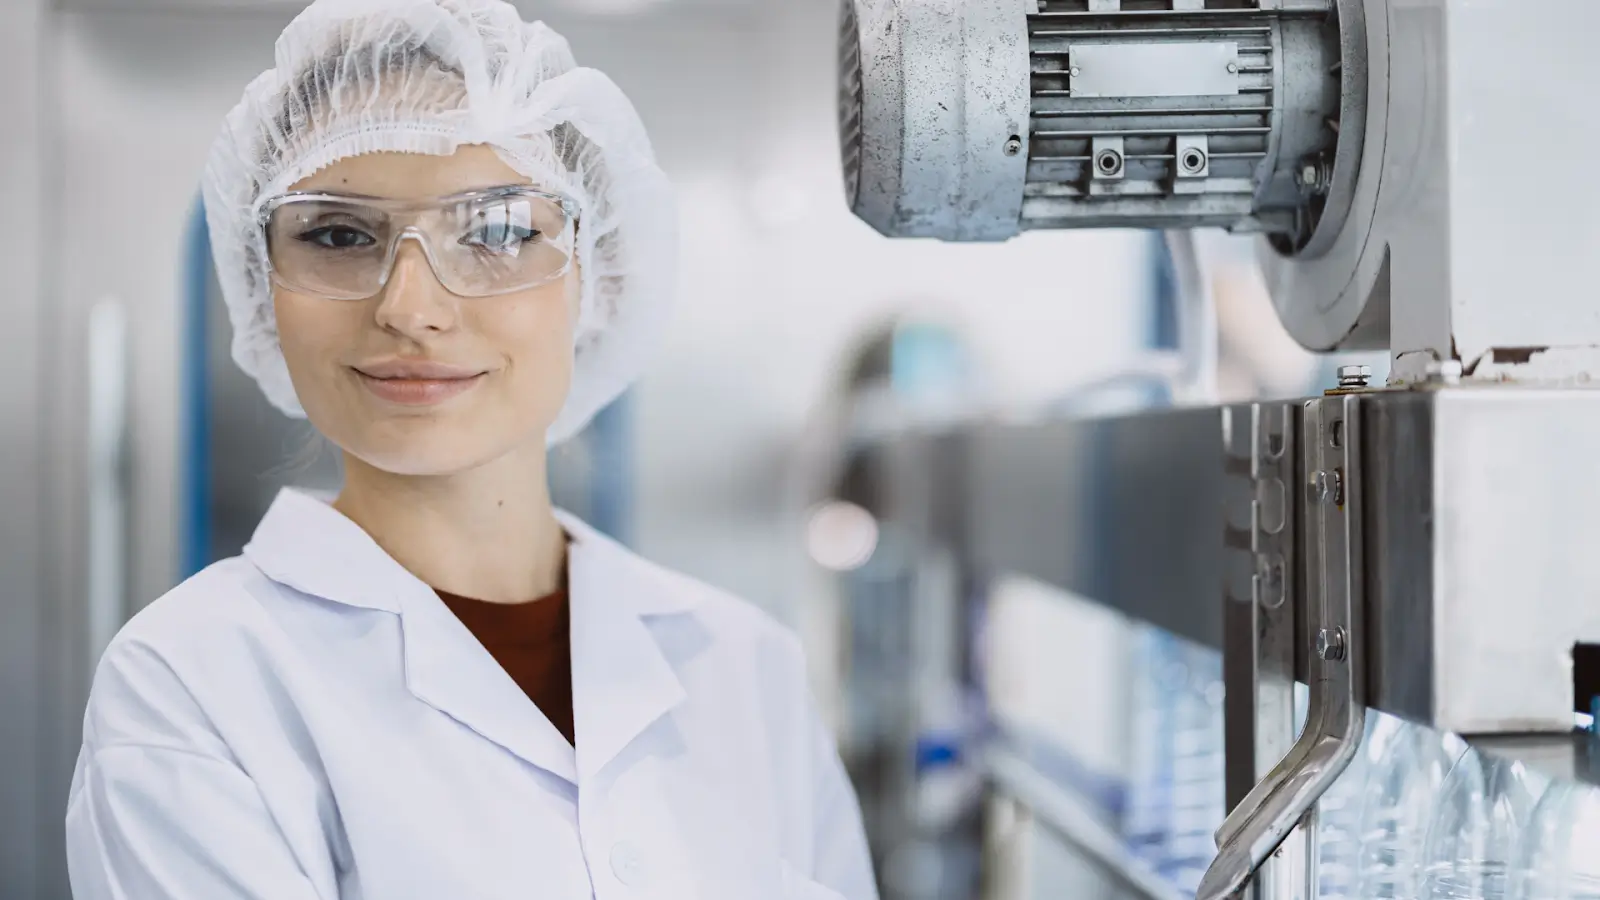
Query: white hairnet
x=428, y=76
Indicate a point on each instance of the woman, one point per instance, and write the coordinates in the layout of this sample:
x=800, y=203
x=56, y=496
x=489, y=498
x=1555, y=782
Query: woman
x=446, y=246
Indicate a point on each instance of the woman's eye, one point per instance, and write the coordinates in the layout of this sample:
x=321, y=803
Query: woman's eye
x=500, y=237
x=338, y=237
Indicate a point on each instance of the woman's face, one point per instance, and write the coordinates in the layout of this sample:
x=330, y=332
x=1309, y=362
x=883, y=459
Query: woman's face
x=417, y=380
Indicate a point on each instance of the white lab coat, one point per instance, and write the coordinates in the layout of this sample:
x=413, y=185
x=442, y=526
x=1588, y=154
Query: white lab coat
x=310, y=721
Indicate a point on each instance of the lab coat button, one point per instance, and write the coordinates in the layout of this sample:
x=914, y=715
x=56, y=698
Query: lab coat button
x=627, y=864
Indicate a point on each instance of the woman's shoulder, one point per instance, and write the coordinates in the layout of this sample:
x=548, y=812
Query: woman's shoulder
x=222, y=598
x=197, y=636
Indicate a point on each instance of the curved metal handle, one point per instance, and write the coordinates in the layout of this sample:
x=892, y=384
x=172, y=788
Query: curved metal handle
x=1336, y=718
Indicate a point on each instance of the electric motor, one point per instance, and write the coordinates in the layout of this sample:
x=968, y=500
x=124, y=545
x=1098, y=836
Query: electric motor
x=978, y=119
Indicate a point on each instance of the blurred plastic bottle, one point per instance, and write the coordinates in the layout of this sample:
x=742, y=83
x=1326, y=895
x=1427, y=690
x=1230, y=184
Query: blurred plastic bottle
x=1484, y=806
x=1146, y=813
x=1199, y=793
x=1560, y=854
x=1406, y=767
x=1339, y=827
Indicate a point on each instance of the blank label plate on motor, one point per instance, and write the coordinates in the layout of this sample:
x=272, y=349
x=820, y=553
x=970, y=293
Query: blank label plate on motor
x=1194, y=69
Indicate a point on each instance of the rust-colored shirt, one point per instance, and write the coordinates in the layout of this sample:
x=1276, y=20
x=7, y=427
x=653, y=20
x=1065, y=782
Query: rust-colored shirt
x=532, y=642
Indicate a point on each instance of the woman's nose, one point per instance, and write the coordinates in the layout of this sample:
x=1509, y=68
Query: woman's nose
x=413, y=302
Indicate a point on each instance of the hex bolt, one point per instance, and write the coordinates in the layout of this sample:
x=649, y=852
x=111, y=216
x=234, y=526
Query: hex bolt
x=1310, y=176
x=1233, y=68
x=1013, y=146
x=1352, y=377
x=1328, y=487
x=1330, y=644
x=1074, y=71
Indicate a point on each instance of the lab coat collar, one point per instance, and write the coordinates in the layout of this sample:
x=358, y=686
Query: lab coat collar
x=621, y=681
x=306, y=544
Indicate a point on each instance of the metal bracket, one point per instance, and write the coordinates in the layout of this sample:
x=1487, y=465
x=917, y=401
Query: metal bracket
x=1262, y=821
x=1262, y=457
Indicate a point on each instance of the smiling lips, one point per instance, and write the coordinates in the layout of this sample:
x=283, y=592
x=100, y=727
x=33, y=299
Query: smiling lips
x=417, y=382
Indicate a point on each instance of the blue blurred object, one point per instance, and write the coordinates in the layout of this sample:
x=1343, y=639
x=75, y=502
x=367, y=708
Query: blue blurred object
x=195, y=400
x=609, y=445
x=937, y=751
x=928, y=363
x=1163, y=295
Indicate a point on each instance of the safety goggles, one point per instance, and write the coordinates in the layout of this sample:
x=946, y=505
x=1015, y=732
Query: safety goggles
x=479, y=244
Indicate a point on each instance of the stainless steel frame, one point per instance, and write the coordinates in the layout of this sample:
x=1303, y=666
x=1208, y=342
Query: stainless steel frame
x=1333, y=596
x=1480, y=570
x=1262, y=453
x=1445, y=555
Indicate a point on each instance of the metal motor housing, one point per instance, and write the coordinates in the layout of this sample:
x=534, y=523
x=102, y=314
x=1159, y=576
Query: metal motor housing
x=979, y=120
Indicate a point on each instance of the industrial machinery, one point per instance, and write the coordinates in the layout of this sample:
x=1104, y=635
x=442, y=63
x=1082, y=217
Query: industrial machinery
x=1412, y=172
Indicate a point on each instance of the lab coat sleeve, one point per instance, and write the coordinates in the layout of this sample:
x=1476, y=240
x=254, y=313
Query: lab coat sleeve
x=842, y=861
x=165, y=823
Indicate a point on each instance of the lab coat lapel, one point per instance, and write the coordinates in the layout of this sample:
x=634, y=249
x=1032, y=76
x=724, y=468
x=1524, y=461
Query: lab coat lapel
x=309, y=546
x=448, y=669
x=621, y=681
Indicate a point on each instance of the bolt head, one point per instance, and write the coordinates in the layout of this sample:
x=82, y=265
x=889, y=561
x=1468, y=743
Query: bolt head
x=1233, y=68
x=1330, y=644
x=1326, y=487
x=1074, y=71
x=1013, y=147
x=1309, y=176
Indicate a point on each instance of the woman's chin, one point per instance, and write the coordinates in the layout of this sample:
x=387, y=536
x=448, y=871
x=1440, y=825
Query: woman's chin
x=426, y=449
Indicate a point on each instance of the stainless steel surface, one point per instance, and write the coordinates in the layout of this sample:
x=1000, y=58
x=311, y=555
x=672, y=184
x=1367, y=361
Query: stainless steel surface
x=1415, y=266
x=30, y=720
x=1064, y=815
x=1261, y=599
x=1125, y=511
x=1574, y=756
x=1335, y=718
x=1482, y=566
x=931, y=95
x=1473, y=495
x=1166, y=69
x=1110, y=105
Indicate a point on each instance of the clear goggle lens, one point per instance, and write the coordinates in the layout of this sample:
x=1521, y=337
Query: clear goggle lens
x=479, y=244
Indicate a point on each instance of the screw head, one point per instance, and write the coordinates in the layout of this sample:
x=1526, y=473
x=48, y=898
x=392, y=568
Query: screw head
x=1013, y=146
x=1309, y=176
x=1233, y=68
x=1327, y=487
x=1074, y=72
x=1354, y=376
x=1330, y=644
